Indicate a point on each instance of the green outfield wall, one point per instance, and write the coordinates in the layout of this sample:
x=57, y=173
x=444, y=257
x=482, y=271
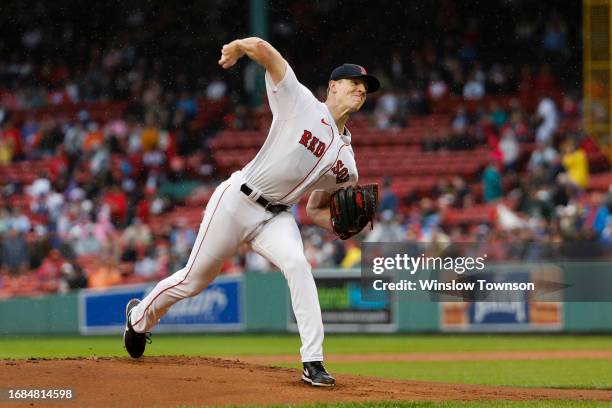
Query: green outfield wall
x=54, y=314
x=266, y=300
x=266, y=308
x=588, y=316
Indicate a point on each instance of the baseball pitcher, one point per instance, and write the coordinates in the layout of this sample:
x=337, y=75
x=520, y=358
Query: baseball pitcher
x=307, y=151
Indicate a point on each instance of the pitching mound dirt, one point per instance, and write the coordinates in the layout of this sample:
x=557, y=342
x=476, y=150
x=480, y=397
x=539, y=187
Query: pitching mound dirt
x=180, y=381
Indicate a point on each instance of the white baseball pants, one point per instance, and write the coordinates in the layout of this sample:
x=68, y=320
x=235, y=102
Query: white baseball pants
x=231, y=219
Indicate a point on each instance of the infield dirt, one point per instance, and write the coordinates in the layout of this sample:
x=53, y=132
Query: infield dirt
x=176, y=381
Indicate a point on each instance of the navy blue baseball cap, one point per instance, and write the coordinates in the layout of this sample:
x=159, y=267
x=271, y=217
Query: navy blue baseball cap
x=346, y=71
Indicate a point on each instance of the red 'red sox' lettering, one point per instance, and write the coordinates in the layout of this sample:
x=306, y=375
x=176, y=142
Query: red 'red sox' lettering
x=312, y=143
x=341, y=172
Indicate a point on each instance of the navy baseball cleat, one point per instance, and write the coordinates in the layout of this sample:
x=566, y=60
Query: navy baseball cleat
x=315, y=374
x=134, y=342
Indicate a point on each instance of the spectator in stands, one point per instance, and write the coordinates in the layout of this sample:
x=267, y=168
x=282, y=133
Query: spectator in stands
x=72, y=278
x=547, y=120
x=163, y=257
x=388, y=198
x=116, y=131
x=518, y=123
x=4, y=220
x=461, y=192
x=15, y=253
x=39, y=247
x=575, y=163
x=103, y=229
x=6, y=151
x=52, y=205
x=40, y=186
x=543, y=156
x=11, y=135
x=536, y=203
x=99, y=159
x=388, y=229
x=441, y=189
x=597, y=213
x=149, y=135
x=497, y=78
x=154, y=159
x=499, y=117
x=181, y=240
x=428, y=217
x=332, y=250
x=509, y=148
x=387, y=111
x=66, y=220
x=118, y=203
x=311, y=252
x=473, y=88
x=352, y=258
x=437, y=88
x=188, y=104
x=106, y=274
x=232, y=265
x=606, y=234
x=146, y=266
x=461, y=120
x=491, y=183
x=84, y=240
x=93, y=139
x=216, y=89
x=563, y=191
x=138, y=233
x=50, y=271
x=19, y=221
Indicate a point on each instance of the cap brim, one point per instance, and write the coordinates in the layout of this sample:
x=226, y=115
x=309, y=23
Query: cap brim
x=371, y=80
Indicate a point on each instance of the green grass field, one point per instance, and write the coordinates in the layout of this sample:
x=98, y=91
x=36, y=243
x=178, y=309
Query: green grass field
x=566, y=373
x=240, y=344
x=519, y=373
x=497, y=404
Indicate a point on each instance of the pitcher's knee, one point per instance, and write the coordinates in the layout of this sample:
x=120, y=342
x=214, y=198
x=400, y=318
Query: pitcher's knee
x=194, y=288
x=296, y=264
x=188, y=286
x=195, y=278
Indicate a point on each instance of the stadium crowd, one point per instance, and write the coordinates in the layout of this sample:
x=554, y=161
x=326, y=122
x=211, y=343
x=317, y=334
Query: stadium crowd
x=84, y=220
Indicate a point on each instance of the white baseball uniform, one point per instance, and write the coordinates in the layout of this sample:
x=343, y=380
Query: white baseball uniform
x=302, y=153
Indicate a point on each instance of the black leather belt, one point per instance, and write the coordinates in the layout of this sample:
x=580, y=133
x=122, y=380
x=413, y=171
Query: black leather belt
x=273, y=208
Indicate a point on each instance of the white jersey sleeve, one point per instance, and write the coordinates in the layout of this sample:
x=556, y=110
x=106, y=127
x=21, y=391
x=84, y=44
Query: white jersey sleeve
x=289, y=96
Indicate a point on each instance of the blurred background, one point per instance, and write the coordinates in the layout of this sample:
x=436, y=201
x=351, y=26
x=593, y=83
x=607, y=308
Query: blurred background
x=116, y=123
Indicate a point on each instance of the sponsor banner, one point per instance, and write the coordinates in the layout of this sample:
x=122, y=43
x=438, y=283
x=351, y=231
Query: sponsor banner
x=344, y=307
x=218, y=308
x=512, y=311
x=501, y=316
